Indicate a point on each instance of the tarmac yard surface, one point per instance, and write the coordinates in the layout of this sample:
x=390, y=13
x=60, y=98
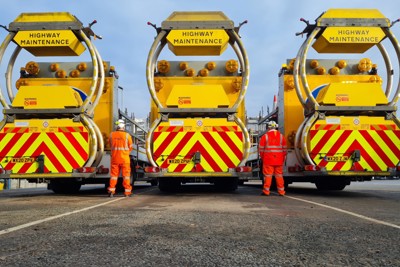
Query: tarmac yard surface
x=359, y=226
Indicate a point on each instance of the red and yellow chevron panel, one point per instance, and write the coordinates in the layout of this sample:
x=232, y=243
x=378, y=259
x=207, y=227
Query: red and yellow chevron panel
x=64, y=144
x=332, y=145
x=218, y=141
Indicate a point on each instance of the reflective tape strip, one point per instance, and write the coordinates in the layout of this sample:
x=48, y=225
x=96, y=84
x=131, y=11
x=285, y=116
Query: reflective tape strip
x=63, y=151
x=125, y=148
x=126, y=142
x=379, y=149
x=120, y=148
x=273, y=148
x=114, y=178
x=220, y=149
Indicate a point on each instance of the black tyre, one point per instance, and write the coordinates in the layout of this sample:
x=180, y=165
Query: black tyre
x=65, y=186
x=169, y=185
x=331, y=184
x=226, y=184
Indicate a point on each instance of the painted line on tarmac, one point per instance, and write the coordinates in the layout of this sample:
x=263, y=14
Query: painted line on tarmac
x=347, y=212
x=22, y=226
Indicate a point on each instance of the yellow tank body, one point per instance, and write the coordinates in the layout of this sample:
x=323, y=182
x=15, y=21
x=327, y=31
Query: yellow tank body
x=338, y=117
x=49, y=132
x=197, y=111
x=106, y=110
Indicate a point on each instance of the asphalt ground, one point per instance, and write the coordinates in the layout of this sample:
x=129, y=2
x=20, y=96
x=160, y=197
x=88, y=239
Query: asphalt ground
x=199, y=226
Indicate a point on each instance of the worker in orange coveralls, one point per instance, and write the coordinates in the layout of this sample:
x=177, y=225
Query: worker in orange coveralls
x=272, y=149
x=121, y=146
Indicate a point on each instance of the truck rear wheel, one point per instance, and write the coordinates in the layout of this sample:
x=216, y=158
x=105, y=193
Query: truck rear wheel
x=169, y=184
x=226, y=184
x=65, y=186
x=332, y=184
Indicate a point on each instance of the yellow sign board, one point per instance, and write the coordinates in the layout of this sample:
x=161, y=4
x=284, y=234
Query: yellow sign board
x=348, y=39
x=50, y=42
x=197, y=96
x=352, y=35
x=46, y=97
x=197, y=42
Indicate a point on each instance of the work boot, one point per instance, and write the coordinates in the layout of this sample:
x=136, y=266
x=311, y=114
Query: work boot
x=110, y=195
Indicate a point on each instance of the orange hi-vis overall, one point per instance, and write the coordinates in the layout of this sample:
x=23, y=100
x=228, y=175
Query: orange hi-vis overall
x=121, y=146
x=273, y=150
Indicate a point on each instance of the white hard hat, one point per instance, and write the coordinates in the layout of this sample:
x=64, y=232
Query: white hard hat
x=272, y=124
x=120, y=124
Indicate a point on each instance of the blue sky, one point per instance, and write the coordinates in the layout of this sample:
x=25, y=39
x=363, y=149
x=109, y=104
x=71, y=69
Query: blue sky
x=269, y=36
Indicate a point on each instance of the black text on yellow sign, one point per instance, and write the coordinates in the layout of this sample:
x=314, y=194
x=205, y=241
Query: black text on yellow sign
x=22, y=160
x=50, y=42
x=198, y=37
x=337, y=158
x=179, y=161
x=45, y=38
x=353, y=35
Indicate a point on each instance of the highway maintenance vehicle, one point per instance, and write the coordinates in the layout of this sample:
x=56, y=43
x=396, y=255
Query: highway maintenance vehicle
x=197, y=115
x=338, y=115
x=58, y=117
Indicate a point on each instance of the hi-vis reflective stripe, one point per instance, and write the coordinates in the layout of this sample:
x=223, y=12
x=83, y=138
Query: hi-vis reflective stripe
x=220, y=148
x=272, y=149
x=125, y=148
x=64, y=149
x=379, y=147
x=16, y=130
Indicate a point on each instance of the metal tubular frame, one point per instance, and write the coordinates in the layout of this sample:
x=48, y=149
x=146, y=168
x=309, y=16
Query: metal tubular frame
x=95, y=71
x=244, y=62
x=246, y=149
x=100, y=86
x=300, y=69
x=96, y=141
x=148, y=141
x=3, y=48
x=303, y=139
x=396, y=47
x=297, y=145
x=9, y=72
x=154, y=52
x=93, y=141
x=389, y=71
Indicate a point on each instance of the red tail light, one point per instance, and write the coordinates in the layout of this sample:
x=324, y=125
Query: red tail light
x=295, y=168
x=152, y=169
x=311, y=168
x=86, y=169
x=102, y=170
x=243, y=169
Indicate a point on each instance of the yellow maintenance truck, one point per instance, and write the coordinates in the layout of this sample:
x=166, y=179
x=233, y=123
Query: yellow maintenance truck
x=197, y=113
x=338, y=115
x=59, y=115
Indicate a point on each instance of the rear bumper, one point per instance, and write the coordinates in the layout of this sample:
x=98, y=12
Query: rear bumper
x=45, y=175
x=202, y=175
